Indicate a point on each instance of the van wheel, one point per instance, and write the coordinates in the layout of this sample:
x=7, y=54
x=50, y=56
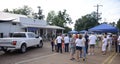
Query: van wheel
x=40, y=45
x=23, y=48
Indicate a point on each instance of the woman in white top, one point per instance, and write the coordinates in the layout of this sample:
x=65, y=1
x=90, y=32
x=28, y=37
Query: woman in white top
x=104, y=45
x=78, y=47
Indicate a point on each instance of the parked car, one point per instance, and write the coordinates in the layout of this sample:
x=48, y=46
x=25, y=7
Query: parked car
x=20, y=41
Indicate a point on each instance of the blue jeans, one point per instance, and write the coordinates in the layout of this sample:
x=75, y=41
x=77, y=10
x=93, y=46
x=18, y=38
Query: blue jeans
x=84, y=52
x=119, y=48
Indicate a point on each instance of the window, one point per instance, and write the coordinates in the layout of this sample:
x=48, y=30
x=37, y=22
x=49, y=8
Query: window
x=25, y=29
x=13, y=23
x=19, y=35
x=10, y=34
x=31, y=35
x=1, y=35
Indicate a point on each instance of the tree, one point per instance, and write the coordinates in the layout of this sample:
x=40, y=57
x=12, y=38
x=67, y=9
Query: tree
x=25, y=10
x=104, y=23
x=50, y=17
x=60, y=19
x=112, y=23
x=63, y=19
x=118, y=24
x=86, y=22
x=67, y=29
x=79, y=24
x=6, y=10
x=40, y=15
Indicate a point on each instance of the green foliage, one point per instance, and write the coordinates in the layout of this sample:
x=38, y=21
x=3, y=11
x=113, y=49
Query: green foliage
x=40, y=15
x=60, y=19
x=6, y=10
x=86, y=22
x=112, y=23
x=67, y=29
x=50, y=17
x=118, y=24
x=25, y=10
x=79, y=24
x=104, y=23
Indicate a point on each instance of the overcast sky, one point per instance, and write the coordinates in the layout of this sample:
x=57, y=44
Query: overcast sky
x=75, y=8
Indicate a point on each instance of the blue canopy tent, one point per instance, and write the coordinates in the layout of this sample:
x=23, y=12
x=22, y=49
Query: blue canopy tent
x=82, y=31
x=104, y=28
x=73, y=32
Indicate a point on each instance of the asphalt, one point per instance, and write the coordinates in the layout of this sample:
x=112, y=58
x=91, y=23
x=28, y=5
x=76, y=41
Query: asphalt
x=64, y=58
x=116, y=59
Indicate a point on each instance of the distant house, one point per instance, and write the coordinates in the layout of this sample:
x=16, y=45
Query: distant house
x=10, y=23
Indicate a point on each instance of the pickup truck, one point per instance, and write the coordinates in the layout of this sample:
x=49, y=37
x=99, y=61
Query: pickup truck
x=20, y=41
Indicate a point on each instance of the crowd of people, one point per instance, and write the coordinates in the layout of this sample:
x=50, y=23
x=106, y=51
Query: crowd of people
x=80, y=43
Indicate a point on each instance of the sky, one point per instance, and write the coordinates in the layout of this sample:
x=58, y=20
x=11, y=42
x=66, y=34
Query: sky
x=110, y=9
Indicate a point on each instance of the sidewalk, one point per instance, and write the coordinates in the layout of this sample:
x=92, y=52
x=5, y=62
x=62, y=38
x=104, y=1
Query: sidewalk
x=58, y=58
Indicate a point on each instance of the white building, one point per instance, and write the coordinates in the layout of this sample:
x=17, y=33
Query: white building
x=10, y=23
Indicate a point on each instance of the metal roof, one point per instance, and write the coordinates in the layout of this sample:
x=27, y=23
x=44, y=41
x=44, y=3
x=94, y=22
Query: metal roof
x=4, y=16
x=47, y=26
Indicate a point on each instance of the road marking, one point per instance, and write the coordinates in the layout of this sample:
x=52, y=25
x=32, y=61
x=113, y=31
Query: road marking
x=112, y=58
x=107, y=60
x=35, y=58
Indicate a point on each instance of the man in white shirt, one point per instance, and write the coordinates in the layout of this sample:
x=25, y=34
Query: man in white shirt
x=59, y=43
x=92, y=42
x=66, y=41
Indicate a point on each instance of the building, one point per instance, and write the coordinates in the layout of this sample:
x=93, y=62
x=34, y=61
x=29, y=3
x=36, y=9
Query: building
x=10, y=23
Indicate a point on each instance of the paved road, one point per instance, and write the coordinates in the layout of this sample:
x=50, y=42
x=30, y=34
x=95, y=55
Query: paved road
x=116, y=59
x=58, y=58
x=46, y=56
x=15, y=57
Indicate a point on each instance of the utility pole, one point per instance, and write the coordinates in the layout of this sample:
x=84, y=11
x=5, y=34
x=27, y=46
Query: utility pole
x=98, y=14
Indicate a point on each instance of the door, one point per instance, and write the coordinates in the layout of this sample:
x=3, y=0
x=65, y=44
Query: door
x=32, y=38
